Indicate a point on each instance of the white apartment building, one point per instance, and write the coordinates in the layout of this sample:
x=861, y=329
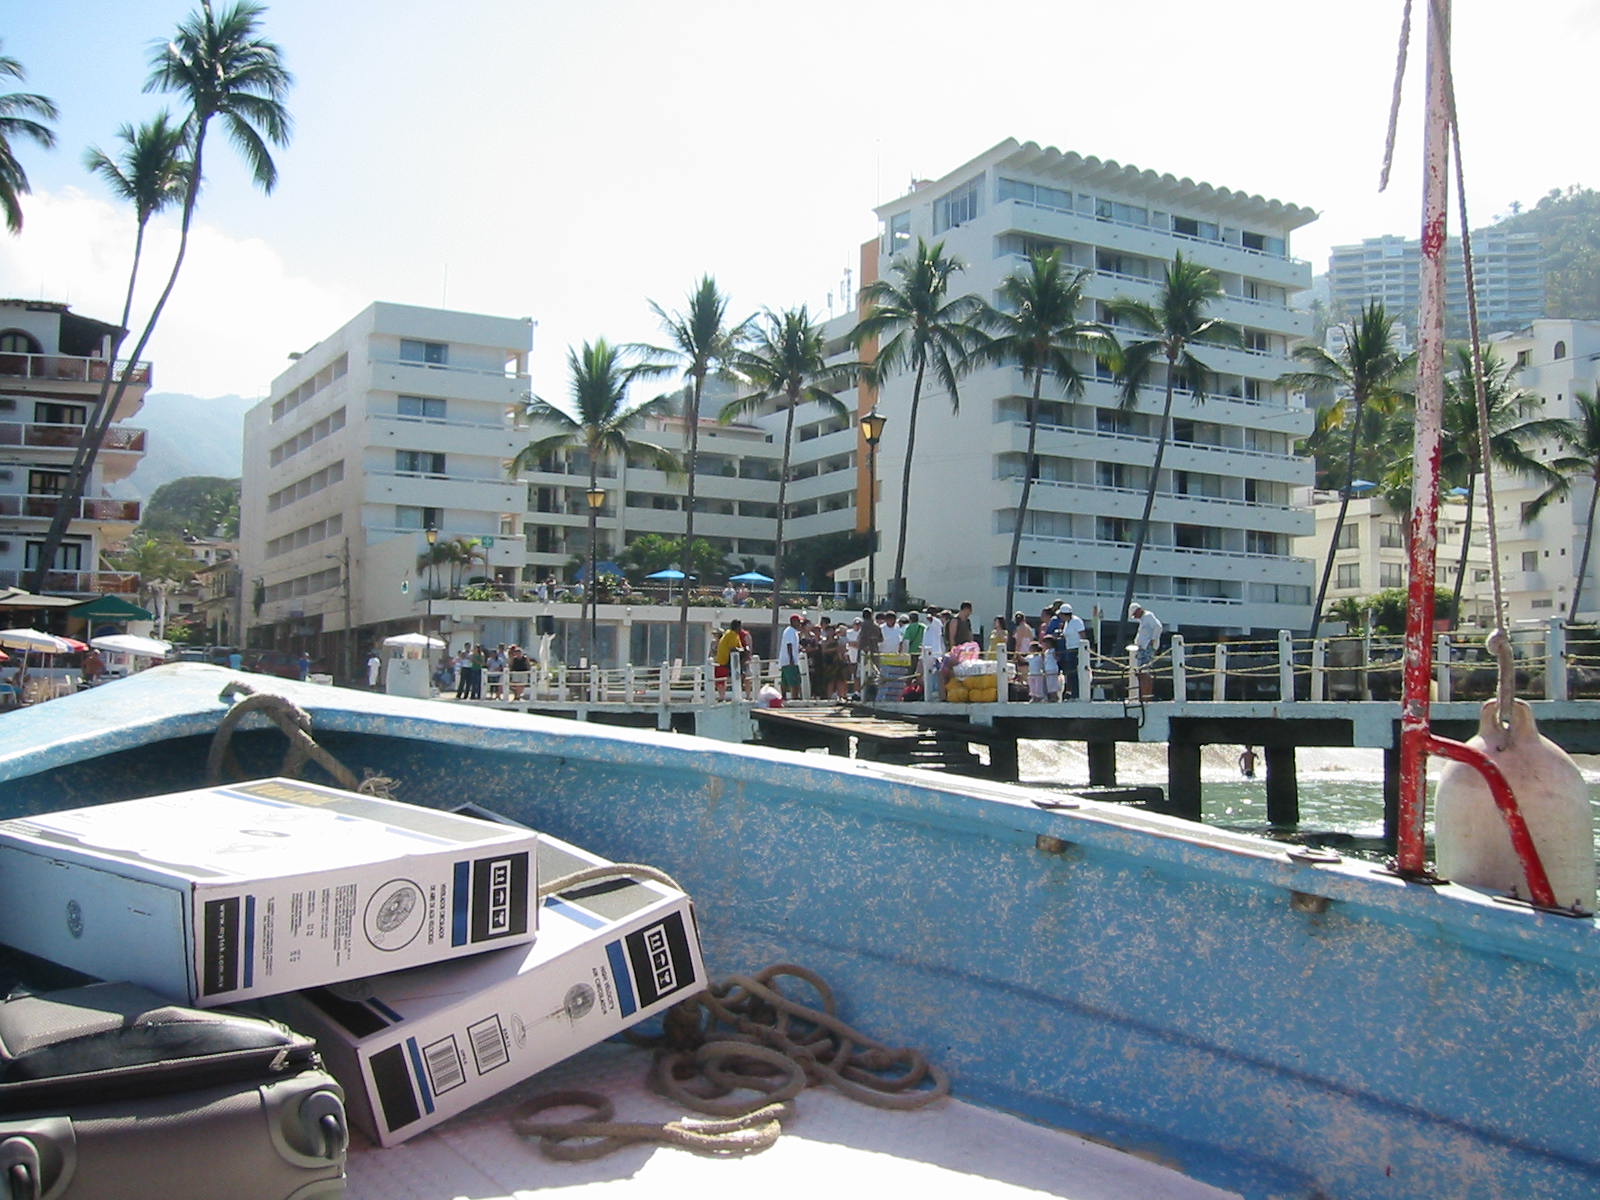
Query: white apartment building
x=1219, y=556
x=52, y=365
x=398, y=422
x=408, y=418
x=1372, y=554
x=1539, y=559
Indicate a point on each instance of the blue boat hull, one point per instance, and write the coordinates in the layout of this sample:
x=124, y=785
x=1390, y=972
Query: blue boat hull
x=1277, y=1027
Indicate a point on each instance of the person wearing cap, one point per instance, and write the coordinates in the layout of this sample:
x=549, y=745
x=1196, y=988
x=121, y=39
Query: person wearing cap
x=1069, y=645
x=1145, y=640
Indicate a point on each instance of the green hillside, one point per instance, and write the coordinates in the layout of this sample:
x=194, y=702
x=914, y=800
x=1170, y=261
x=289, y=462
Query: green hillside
x=1568, y=225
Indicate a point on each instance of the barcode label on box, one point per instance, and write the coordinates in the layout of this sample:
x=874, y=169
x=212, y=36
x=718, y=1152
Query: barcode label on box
x=488, y=1045
x=444, y=1065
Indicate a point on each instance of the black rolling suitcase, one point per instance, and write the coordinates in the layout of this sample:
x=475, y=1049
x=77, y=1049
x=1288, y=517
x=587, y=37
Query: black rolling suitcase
x=107, y=1092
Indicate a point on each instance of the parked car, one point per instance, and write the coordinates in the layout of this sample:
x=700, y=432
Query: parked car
x=272, y=662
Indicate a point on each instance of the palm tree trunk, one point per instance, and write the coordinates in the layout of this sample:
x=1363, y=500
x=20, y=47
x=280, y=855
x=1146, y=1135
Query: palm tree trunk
x=1338, y=524
x=594, y=557
x=89, y=447
x=1461, y=562
x=1143, y=533
x=783, y=491
x=1022, y=503
x=1588, y=540
x=688, y=515
x=897, y=589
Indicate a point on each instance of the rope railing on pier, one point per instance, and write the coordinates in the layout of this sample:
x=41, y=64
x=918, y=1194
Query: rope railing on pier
x=1555, y=662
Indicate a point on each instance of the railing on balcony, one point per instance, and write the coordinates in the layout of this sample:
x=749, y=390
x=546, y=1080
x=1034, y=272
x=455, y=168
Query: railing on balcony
x=78, y=583
x=70, y=368
x=46, y=436
x=97, y=508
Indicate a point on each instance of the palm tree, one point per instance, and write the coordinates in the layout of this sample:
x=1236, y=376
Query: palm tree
x=1371, y=371
x=926, y=331
x=1513, y=432
x=22, y=115
x=1582, y=461
x=704, y=344
x=601, y=424
x=1175, y=323
x=786, y=363
x=225, y=71
x=1038, y=329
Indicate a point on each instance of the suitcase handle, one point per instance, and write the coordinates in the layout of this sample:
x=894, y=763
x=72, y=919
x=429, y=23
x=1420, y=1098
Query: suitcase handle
x=21, y=1158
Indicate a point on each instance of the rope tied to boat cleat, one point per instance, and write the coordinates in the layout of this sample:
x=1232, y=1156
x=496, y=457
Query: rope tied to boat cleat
x=743, y=1035
x=295, y=724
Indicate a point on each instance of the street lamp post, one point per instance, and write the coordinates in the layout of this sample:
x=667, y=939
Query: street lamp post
x=597, y=500
x=872, y=430
x=433, y=568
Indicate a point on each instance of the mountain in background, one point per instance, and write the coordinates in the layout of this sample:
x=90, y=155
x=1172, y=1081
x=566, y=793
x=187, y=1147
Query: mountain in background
x=1568, y=225
x=188, y=435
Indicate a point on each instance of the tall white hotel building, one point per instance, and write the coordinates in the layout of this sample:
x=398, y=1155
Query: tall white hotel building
x=1218, y=558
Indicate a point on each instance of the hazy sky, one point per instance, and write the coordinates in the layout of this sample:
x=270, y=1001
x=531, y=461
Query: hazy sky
x=569, y=161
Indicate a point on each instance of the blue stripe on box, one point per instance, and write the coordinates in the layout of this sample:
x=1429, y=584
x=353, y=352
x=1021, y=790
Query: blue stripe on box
x=621, y=978
x=385, y=1009
x=460, y=903
x=573, y=913
x=421, y=1072
x=249, y=940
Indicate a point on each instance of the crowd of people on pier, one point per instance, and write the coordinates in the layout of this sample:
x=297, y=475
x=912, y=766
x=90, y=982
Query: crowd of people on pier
x=917, y=652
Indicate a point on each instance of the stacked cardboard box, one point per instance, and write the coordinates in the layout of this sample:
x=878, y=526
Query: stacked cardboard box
x=409, y=941
x=252, y=889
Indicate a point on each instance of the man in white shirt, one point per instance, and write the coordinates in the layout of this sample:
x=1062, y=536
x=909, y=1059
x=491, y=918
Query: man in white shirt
x=1071, y=647
x=1145, y=641
x=891, y=633
x=789, y=659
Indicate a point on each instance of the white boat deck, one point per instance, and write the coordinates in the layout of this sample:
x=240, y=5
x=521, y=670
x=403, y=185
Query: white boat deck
x=833, y=1146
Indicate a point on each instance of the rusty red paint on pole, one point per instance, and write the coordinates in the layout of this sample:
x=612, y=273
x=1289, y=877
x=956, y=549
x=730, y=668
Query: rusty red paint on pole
x=1414, y=732
x=1417, y=741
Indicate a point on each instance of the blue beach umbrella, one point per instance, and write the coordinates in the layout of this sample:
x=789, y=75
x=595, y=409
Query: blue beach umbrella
x=669, y=573
x=751, y=577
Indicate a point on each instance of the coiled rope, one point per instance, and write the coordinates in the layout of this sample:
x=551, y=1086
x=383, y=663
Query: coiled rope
x=744, y=1034
x=295, y=724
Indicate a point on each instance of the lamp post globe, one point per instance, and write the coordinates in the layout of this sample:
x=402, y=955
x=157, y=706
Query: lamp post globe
x=872, y=424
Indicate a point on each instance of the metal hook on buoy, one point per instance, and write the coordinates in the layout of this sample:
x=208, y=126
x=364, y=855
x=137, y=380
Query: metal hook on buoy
x=1477, y=836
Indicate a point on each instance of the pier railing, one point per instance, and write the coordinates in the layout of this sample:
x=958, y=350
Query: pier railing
x=1278, y=669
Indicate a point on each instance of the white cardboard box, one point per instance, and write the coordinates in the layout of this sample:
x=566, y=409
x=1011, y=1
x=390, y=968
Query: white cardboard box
x=414, y=1048
x=250, y=889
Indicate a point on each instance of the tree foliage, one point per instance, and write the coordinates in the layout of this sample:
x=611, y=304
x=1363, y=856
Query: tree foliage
x=22, y=115
x=201, y=505
x=155, y=556
x=1568, y=224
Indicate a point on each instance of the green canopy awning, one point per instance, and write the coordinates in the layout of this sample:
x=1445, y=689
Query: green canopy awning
x=112, y=608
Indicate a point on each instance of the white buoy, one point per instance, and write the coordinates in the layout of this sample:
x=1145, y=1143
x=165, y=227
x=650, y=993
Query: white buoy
x=1471, y=841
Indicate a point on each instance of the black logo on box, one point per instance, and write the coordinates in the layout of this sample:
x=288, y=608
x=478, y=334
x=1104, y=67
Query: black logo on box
x=659, y=956
x=220, y=958
x=499, y=897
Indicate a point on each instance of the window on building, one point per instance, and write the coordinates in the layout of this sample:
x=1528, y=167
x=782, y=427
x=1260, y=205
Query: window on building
x=1114, y=529
x=1561, y=350
x=1389, y=536
x=432, y=353
x=1191, y=228
x=428, y=408
x=412, y=516
x=48, y=412
x=1479, y=575
x=897, y=233
x=1530, y=560
x=1348, y=575
x=1523, y=358
x=1257, y=542
x=16, y=341
x=47, y=483
x=959, y=207
x=1349, y=538
x=1391, y=575
x=1262, y=243
x=69, y=556
x=419, y=462
x=1126, y=214
x=1110, y=475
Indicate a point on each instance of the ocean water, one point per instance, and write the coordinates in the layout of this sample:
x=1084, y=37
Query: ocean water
x=1341, y=790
